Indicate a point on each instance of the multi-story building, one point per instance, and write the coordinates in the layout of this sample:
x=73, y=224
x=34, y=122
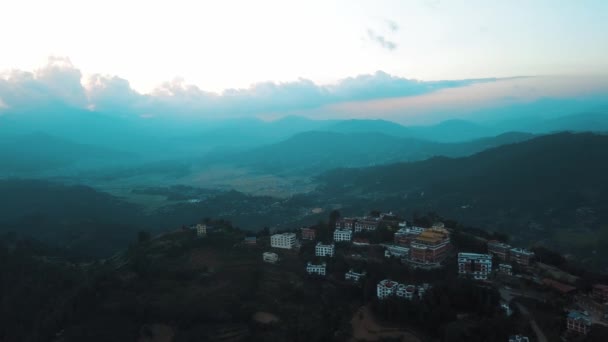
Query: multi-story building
x=396, y=251
x=521, y=256
x=353, y=276
x=499, y=249
x=518, y=338
x=324, y=250
x=284, y=240
x=345, y=234
x=578, y=322
x=404, y=236
x=250, y=240
x=201, y=230
x=600, y=293
x=430, y=247
x=318, y=269
x=475, y=265
x=367, y=224
x=270, y=257
x=406, y=291
x=505, y=269
x=386, y=288
x=346, y=223
x=308, y=233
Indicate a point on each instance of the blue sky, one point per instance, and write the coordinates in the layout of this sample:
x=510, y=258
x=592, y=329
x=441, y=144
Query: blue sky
x=301, y=56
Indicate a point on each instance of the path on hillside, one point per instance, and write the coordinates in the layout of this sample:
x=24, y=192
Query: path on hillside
x=540, y=336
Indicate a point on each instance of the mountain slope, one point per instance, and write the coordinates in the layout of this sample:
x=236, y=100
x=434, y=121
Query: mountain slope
x=314, y=152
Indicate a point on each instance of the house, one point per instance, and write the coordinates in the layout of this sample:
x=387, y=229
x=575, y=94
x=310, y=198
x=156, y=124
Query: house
x=359, y=241
x=308, y=233
x=284, y=240
x=318, y=269
x=324, y=250
x=563, y=289
x=201, y=230
x=386, y=288
x=521, y=256
x=518, y=338
x=367, y=224
x=270, y=257
x=505, y=269
x=346, y=223
x=478, y=266
x=345, y=234
x=499, y=249
x=353, y=276
x=250, y=240
x=430, y=247
x=578, y=322
x=396, y=251
x=600, y=293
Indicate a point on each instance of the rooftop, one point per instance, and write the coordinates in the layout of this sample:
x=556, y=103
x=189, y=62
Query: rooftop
x=579, y=316
x=474, y=256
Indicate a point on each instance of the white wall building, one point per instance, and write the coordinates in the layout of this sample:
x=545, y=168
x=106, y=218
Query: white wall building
x=270, y=257
x=318, y=269
x=476, y=265
x=386, y=288
x=324, y=250
x=406, y=291
x=343, y=235
x=201, y=230
x=354, y=276
x=396, y=251
x=285, y=240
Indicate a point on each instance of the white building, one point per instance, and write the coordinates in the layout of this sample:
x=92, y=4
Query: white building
x=476, y=265
x=316, y=269
x=354, y=276
x=270, y=257
x=201, y=230
x=324, y=250
x=519, y=338
x=285, y=240
x=505, y=269
x=406, y=291
x=343, y=235
x=396, y=251
x=386, y=288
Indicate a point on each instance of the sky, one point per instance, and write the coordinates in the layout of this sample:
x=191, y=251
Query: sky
x=219, y=47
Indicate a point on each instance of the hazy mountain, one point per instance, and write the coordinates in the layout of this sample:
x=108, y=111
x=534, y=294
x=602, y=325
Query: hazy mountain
x=543, y=189
x=314, y=152
x=40, y=152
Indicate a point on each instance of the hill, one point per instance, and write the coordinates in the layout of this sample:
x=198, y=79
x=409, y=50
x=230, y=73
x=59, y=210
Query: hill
x=314, y=152
x=551, y=189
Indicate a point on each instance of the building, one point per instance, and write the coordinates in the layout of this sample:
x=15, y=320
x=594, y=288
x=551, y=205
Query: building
x=578, y=322
x=346, y=223
x=404, y=236
x=521, y=256
x=345, y=234
x=250, y=240
x=518, y=338
x=367, y=224
x=406, y=291
x=284, y=240
x=201, y=230
x=318, y=269
x=308, y=233
x=386, y=288
x=396, y=251
x=324, y=250
x=561, y=288
x=505, y=269
x=353, y=276
x=359, y=241
x=270, y=257
x=475, y=265
x=600, y=293
x=499, y=249
x=430, y=247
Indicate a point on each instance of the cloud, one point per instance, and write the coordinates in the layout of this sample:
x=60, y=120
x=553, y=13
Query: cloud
x=61, y=85
x=393, y=26
x=380, y=40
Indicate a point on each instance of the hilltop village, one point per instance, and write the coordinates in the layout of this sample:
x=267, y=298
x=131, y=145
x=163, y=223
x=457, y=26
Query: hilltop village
x=406, y=262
